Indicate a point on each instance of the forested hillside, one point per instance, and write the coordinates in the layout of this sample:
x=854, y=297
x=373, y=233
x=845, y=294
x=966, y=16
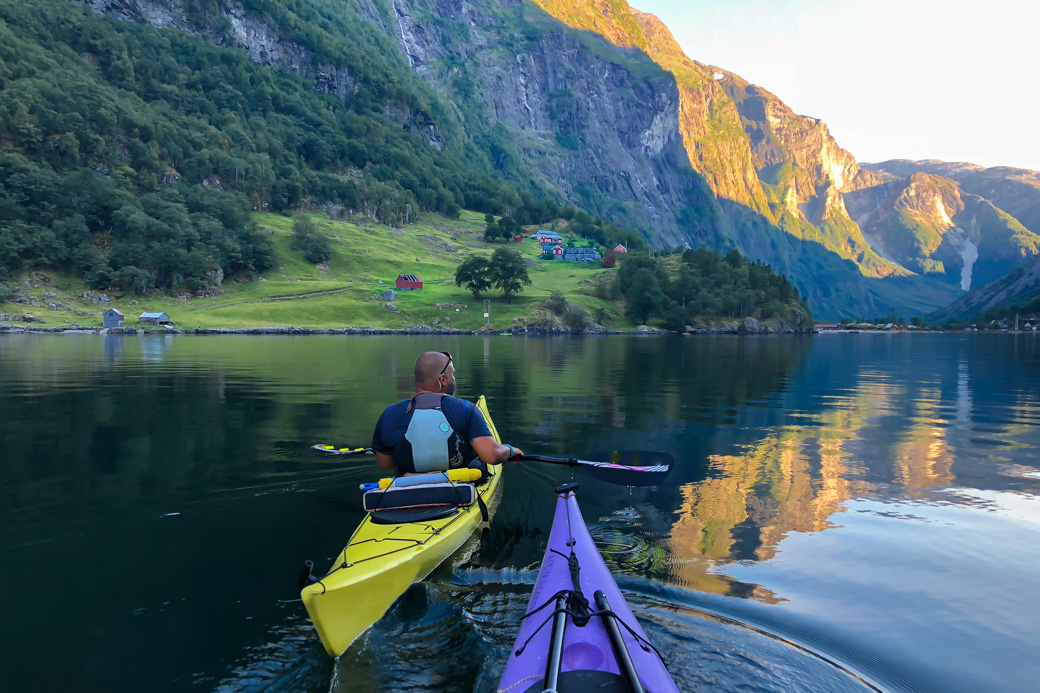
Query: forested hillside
x=133, y=155
x=138, y=159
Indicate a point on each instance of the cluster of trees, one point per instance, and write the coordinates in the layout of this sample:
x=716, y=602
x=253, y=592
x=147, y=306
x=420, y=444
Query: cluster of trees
x=916, y=321
x=505, y=269
x=308, y=238
x=705, y=284
x=505, y=229
x=176, y=238
x=1000, y=317
x=531, y=211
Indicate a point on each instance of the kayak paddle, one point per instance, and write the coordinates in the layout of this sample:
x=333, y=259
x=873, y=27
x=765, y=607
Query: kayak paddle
x=333, y=450
x=624, y=467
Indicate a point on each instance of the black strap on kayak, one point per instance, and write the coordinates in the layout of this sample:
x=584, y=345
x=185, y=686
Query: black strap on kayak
x=577, y=605
x=484, y=514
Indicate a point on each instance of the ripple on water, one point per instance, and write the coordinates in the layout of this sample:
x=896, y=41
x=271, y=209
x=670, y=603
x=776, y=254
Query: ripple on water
x=440, y=639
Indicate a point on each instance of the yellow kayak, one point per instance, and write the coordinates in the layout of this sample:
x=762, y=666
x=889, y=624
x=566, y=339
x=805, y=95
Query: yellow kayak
x=381, y=561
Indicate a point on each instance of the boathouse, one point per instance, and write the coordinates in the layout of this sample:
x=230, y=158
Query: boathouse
x=155, y=318
x=112, y=318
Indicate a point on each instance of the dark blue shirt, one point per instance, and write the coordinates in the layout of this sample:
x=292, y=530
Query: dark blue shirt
x=462, y=415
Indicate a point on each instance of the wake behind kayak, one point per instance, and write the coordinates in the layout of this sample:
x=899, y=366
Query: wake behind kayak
x=578, y=632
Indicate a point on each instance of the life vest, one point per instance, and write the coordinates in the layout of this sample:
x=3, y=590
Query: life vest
x=429, y=443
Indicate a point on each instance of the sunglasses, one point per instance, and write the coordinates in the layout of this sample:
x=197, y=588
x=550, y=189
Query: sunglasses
x=446, y=364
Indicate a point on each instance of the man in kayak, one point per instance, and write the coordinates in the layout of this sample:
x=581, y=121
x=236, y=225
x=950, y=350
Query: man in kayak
x=434, y=431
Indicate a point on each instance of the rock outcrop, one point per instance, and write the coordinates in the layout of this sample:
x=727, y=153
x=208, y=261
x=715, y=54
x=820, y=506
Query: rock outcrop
x=234, y=25
x=930, y=225
x=594, y=124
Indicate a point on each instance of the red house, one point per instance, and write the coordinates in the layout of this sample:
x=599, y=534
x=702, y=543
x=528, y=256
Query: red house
x=557, y=251
x=409, y=282
x=620, y=249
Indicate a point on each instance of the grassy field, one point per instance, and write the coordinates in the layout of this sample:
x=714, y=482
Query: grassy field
x=345, y=291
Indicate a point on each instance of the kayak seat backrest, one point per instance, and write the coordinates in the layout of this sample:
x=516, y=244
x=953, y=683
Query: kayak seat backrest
x=403, y=515
x=424, y=496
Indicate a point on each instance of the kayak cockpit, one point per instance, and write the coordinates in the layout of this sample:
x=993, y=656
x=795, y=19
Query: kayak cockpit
x=586, y=680
x=398, y=516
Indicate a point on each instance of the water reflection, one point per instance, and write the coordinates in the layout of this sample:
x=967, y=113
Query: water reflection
x=875, y=433
x=818, y=483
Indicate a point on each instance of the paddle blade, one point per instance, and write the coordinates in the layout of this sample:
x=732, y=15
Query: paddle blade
x=631, y=467
x=333, y=450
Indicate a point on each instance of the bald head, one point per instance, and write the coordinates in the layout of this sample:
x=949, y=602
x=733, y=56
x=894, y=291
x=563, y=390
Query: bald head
x=429, y=367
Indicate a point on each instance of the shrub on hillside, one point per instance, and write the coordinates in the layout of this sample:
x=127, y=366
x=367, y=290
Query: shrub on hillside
x=308, y=238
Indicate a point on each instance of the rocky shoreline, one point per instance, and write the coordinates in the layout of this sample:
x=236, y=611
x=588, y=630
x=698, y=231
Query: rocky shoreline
x=548, y=328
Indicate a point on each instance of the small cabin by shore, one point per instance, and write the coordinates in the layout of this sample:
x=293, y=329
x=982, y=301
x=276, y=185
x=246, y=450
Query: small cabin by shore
x=112, y=318
x=409, y=282
x=155, y=318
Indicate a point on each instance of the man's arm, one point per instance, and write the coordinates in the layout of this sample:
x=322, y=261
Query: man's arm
x=487, y=448
x=492, y=452
x=386, y=461
x=383, y=455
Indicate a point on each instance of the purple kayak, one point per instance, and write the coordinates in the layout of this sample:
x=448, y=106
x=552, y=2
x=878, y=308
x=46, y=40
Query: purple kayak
x=578, y=633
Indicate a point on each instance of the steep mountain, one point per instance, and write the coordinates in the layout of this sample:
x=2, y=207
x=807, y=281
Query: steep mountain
x=1014, y=190
x=132, y=155
x=929, y=224
x=715, y=142
x=595, y=125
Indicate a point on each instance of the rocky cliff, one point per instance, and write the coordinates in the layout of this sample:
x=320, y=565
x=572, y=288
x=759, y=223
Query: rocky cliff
x=595, y=125
x=1013, y=190
x=715, y=141
x=233, y=23
x=930, y=225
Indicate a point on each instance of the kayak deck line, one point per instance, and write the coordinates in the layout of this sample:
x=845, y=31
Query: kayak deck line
x=596, y=642
x=434, y=532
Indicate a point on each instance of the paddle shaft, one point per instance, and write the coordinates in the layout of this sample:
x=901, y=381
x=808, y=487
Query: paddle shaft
x=569, y=461
x=608, y=470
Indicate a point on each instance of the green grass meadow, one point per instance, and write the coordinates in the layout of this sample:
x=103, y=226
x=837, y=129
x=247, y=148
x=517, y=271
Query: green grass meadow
x=345, y=291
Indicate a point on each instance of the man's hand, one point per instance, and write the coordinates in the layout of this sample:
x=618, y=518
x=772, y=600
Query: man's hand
x=493, y=452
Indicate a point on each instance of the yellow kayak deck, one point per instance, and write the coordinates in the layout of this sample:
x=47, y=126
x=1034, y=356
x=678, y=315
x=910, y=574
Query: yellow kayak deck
x=381, y=561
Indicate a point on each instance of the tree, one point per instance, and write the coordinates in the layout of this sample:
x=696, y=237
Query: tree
x=645, y=297
x=675, y=319
x=609, y=259
x=509, y=272
x=306, y=237
x=557, y=302
x=492, y=230
x=475, y=275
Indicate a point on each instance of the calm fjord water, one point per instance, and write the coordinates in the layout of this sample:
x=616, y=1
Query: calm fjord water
x=846, y=511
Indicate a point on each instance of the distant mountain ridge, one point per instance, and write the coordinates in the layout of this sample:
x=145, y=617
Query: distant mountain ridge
x=889, y=222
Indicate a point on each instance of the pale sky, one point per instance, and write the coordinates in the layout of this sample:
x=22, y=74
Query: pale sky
x=893, y=79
